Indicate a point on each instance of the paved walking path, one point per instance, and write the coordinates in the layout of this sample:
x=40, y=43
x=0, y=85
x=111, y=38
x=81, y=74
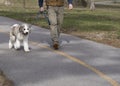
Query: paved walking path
x=78, y=62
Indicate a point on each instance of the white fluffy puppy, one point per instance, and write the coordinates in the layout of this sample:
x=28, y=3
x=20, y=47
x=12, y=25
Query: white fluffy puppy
x=19, y=35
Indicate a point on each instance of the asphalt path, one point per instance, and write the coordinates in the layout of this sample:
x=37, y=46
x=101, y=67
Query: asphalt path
x=78, y=62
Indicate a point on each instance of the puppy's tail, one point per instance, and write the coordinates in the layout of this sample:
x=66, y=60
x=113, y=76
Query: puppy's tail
x=15, y=25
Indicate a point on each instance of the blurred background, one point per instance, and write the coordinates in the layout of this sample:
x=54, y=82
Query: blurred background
x=77, y=3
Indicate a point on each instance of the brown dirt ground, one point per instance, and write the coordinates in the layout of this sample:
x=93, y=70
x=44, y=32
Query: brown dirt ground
x=4, y=81
x=109, y=38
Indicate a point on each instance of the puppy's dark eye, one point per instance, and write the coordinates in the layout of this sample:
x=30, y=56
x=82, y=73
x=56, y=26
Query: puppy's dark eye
x=24, y=29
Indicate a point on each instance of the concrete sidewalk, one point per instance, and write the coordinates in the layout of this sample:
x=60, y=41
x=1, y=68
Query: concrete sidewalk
x=78, y=62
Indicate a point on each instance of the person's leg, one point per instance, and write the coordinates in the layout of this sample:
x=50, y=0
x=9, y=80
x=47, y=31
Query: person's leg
x=53, y=23
x=53, y=26
x=60, y=19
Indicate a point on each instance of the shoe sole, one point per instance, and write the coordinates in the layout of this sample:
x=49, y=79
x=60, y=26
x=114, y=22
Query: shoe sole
x=56, y=46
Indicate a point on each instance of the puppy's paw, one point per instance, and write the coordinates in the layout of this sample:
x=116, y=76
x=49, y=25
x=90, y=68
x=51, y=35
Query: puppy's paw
x=16, y=48
x=10, y=45
x=27, y=50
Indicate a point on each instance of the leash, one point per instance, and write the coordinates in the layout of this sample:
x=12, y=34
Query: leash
x=44, y=13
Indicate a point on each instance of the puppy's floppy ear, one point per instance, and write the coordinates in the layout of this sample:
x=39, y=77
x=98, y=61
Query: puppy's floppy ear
x=21, y=28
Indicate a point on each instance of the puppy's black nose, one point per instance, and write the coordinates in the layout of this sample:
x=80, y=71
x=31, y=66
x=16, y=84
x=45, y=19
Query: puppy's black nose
x=26, y=33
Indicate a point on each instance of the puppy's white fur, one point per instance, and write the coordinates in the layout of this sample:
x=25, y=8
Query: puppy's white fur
x=19, y=34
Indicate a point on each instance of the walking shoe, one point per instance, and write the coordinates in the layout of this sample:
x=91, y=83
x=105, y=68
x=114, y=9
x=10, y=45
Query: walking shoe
x=56, y=45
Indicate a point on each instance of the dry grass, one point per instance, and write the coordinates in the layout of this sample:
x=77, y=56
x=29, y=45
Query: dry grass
x=109, y=38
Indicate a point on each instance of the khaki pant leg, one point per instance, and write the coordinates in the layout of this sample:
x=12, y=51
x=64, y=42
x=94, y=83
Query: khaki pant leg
x=53, y=23
x=60, y=18
x=55, y=15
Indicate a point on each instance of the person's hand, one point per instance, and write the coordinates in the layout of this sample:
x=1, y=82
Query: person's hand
x=70, y=6
x=41, y=9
